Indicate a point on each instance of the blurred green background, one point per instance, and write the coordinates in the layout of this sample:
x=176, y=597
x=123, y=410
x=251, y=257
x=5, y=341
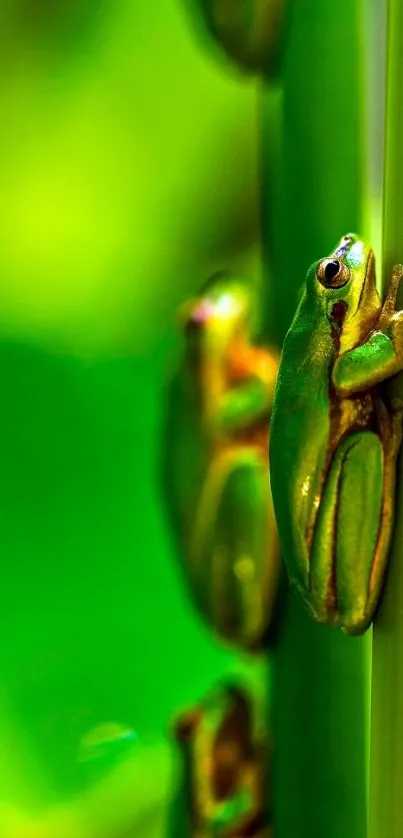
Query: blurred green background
x=129, y=171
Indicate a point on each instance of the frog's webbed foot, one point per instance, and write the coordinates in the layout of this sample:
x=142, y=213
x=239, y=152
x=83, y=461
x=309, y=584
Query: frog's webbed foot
x=389, y=306
x=394, y=332
x=391, y=320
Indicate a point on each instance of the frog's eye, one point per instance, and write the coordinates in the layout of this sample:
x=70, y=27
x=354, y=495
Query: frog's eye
x=332, y=273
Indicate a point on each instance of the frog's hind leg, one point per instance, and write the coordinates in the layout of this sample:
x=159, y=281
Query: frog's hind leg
x=231, y=545
x=347, y=533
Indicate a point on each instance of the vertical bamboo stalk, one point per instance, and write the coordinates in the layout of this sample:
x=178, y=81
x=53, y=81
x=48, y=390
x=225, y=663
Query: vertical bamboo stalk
x=374, y=21
x=386, y=809
x=320, y=677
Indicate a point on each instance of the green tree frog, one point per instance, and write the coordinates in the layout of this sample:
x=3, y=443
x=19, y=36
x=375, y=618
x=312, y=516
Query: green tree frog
x=335, y=436
x=226, y=760
x=216, y=474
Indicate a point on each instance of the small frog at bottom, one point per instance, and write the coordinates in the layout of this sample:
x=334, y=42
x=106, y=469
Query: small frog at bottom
x=215, y=460
x=335, y=436
x=226, y=767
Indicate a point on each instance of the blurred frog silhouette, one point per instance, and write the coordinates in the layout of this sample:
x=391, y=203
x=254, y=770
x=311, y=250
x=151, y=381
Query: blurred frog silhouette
x=226, y=762
x=216, y=473
x=251, y=33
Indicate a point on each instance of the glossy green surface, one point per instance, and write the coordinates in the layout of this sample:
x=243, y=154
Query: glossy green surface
x=386, y=814
x=313, y=196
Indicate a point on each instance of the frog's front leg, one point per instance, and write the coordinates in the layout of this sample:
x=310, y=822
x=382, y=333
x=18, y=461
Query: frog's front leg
x=347, y=535
x=242, y=406
x=380, y=357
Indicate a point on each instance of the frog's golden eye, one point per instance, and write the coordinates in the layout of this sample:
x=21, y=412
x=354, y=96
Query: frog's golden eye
x=332, y=273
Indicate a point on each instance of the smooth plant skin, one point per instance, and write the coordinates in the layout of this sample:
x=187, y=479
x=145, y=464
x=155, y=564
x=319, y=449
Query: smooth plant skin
x=216, y=471
x=226, y=767
x=335, y=437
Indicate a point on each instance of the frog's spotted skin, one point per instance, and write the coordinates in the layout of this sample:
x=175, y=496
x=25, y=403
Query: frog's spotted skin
x=335, y=437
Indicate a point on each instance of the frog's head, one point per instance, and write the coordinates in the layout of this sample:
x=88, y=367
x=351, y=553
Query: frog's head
x=344, y=284
x=218, y=315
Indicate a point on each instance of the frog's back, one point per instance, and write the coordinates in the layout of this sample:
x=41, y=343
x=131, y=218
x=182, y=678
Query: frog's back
x=300, y=428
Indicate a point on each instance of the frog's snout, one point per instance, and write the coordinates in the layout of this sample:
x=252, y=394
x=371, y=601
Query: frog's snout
x=193, y=314
x=349, y=238
x=346, y=242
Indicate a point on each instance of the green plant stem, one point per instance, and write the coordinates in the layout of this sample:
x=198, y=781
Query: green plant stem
x=386, y=810
x=320, y=677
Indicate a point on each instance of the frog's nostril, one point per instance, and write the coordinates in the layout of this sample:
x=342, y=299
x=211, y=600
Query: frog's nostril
x=332, y=269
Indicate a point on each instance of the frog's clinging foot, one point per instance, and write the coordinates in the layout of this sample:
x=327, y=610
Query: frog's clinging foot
x=389, y=306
